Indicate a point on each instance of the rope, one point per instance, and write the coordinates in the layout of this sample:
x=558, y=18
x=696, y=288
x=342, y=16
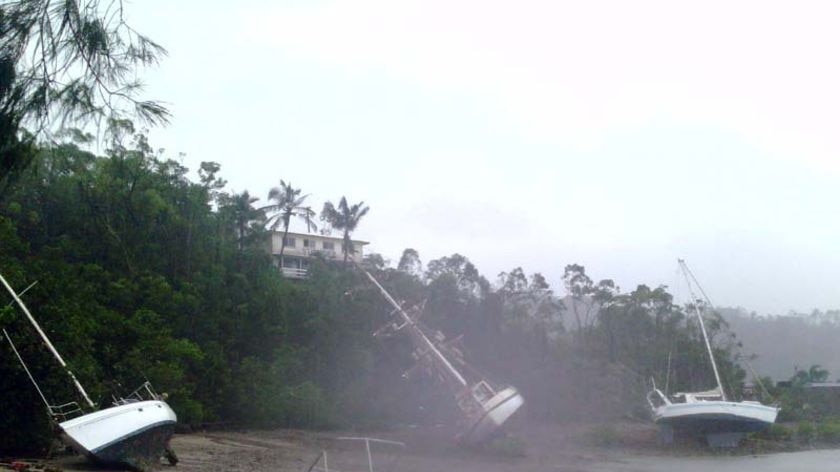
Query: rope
x=46, y=403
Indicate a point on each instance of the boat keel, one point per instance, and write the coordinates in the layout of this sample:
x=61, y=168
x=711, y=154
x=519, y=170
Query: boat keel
x=141, y=451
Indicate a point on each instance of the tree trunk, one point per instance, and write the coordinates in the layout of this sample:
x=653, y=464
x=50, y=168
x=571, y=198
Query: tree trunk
x=345, y=246
x=283, y=243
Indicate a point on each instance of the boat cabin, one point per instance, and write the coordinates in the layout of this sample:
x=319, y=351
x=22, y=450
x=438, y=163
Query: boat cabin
x=694, y=397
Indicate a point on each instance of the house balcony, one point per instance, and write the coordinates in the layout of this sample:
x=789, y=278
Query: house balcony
x=294, y=273
x=328, y=253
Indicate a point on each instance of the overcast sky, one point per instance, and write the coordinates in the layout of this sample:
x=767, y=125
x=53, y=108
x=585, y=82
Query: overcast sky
x=618, y=135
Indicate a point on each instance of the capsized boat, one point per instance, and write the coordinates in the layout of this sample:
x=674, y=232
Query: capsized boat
x=710, y=414
x=133, y=432
x=485, y=406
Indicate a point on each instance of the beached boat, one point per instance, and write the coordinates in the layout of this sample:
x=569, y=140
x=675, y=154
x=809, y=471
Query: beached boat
x=709, y=414
x=485, y=407
x=133, y=432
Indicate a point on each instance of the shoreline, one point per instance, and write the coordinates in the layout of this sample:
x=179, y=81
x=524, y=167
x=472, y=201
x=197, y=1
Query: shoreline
x=576, y=447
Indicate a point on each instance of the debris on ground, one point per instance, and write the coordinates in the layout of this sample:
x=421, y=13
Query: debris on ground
x=27, y=466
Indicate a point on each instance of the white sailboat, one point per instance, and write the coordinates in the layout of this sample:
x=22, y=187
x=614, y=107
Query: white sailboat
x=133, y=432
x=710, y=414
x=485, y=406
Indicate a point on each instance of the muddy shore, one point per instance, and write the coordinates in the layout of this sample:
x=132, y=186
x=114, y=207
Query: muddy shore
x=425, y=450
x=569, y=447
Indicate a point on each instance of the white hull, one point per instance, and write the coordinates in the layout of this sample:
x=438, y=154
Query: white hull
x=716, y=415
x=132, y=433
x=497, y=411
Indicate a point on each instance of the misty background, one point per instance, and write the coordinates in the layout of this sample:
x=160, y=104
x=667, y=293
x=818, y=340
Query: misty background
x=617, y=136
x=785, y=343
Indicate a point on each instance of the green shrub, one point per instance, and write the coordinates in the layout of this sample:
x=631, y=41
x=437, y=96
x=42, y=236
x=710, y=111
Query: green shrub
x=829, y=430
x=775, y=432
x=806, y=432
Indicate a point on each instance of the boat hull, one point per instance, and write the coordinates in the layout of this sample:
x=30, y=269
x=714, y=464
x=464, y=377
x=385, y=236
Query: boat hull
x=719, y=422
x=133, y=434
x=497, y=411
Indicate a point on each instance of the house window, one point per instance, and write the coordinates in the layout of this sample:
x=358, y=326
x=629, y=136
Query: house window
x=289, y=242
x=309, y=243
x=328, y=246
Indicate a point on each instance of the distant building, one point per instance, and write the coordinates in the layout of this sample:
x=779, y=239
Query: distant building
x=823, y=398
x=823, y=386
x=302, y=247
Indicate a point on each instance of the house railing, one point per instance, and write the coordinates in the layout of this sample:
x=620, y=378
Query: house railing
x=308, y=251
x=294, y=273
x=325, y=252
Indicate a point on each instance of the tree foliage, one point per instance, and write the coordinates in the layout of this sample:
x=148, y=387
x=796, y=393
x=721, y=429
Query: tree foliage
x=345, y=218
x=67, y=62
x=73, y=60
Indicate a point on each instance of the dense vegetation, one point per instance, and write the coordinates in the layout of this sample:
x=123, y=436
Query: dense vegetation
x=143, y=273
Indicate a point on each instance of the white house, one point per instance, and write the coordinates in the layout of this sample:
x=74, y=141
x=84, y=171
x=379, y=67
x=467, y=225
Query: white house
x=301, y=247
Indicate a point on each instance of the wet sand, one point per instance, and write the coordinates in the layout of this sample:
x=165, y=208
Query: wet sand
x=811, y=461
x=545, y=448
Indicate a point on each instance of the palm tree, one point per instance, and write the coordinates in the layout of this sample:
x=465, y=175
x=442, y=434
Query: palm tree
x=344, y=218
x=238, y=216
x=288, y=202
x=308, y=214
x=244, y=213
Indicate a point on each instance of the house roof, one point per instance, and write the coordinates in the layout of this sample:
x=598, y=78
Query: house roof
x=823, y=385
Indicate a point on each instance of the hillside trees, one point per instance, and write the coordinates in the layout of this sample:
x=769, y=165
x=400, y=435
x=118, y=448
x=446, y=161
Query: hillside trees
x=72, y=61
x=410, y=263
x=138, y=277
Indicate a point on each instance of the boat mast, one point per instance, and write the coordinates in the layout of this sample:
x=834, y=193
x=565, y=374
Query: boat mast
x=449, y=368
x=687, y=273
x=46, y=340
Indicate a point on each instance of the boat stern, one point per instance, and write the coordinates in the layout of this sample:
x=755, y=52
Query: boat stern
x=496, y=412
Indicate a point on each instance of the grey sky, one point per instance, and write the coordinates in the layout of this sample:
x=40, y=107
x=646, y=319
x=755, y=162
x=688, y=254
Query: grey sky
x=618, y=135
